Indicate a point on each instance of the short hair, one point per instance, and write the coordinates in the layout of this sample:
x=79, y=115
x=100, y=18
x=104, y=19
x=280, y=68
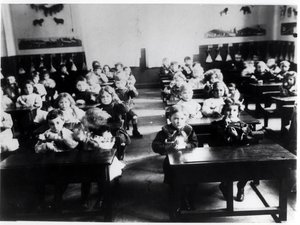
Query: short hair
x=185, y=87
x=222, y=84
x=54, y=113
x=35, y=74
x=179, y=75
x=111, y=91
x=28, y=82
x=174, y=63
x=80, y=78
x=187, y=58
x=119, y=64
x=175, y=109
x=209, y=73
x=106, y=66
x=263, y=65
x=44, y=72
x=96, y=64
x=67, y=96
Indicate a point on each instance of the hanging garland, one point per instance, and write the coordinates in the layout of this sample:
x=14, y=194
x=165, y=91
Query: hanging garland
x=49, y=9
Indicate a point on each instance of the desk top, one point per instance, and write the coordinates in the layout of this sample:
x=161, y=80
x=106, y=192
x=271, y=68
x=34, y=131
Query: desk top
x=107, y=84
x=20, y=109
x=50, y=159
x=230, y=154
x=205, y=121
x=271, y=84
x=85, y=107
x=285, y=99
x=174, y=102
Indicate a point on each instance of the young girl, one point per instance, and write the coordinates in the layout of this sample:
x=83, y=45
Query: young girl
x=6, y=102
x=174, y=69
x=71, y=113
x=210, y=77
x=38, y=87
x=212, y=107
x=102, y=78
x=110, y=102
x=284, y=68
x=93, y=84
x=274, y=69
x=177, y=135
x=108, y=73
x=11, y=89
x=248, y=69
x=29, y=99
x=131, y=79
x=172, y=91
x=191, y=106
x=187, y=67
x=289, y=86
x=230, y=130
x=81, y=94
x=95, y=134
x=197, y=76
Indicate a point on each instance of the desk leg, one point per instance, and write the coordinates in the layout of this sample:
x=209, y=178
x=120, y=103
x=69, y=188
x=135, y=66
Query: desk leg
x=229, y=201
x=107, y=197
x=174, y=201
x=283, y=189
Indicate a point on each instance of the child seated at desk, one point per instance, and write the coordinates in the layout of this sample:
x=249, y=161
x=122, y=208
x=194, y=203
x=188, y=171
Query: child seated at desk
x=131, y=79
x=274, y=69
x=56, y=139
x=212, y=107
x=110, y=102
x=11, y=88
x=174, y=69
x=6, y=102
x=71, y=113
x=261, y=73
x=93, y=84
x=171, y=92
x=102, y=78
x=187, y=67
x=284, y=68
x=38, y=87
x=81, y=94
x=50, y=86
x=197, y=76
x=186, y=100
x=210, y=77
x=95, y=134
x=230, y=130
x=106, y=70
x=289, y=86
x=126, y=93
x=234, y=93
x=165, y=68
x=7, y=143
x=249, y=68
x=176, y=136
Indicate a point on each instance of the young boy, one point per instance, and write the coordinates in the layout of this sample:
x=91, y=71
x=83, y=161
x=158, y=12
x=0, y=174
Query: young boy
x=126, y=95
x=187, y=67
x=177, y=135
x=81, y=94
x=11, y=89
x=56, y=139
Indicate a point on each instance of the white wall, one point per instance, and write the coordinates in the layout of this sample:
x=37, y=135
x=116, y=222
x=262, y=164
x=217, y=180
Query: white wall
x=114, y=33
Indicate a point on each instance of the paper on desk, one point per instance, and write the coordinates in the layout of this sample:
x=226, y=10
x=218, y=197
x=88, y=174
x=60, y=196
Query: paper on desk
x=201, y=155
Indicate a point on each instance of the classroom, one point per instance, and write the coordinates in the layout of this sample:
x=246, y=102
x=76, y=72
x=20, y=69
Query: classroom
x=153, y=113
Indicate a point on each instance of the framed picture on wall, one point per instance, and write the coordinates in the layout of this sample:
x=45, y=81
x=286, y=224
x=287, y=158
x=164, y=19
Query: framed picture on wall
x=288, y=28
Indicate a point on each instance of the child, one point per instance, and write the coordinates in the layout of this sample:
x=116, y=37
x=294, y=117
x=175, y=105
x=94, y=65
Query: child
x=131, y=79
x=93, y=84
x=165, y=68
x=187, y=67
x=197, y=76
x=95, y=135
x=11, y=89
x=289, y=86
x=120, y=71
x=126, y=95
x=102, y=78
x=38, y=87
x=56, y=139
x=210, y=77
x=176, y=136
x=6, y=102
x=191, y=106
x=212, y=107
x=71, y=113
x=108, y=73
x=234, y=93
x=174, y=69
x=274, y=69
x=284, y=67
x=172, y=91
x=248, y=69
x=262, y=72
x=110, y=102
x=81, y=95
x=230, y=130
x=50, y=86
x=7, y=143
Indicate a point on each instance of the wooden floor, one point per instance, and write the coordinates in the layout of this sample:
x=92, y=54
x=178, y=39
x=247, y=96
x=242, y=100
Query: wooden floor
x=141, y=195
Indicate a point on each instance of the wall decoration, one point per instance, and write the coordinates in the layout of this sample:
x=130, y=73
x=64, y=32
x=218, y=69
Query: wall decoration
x=215, y=33
x=283, y=10
x=224, y=11
x=251, y=31
x=49, y=9
x=38, y=22
x=49, y=43
x=246, y=9
x=247, y=31
x=288, y=28
x=58, y=21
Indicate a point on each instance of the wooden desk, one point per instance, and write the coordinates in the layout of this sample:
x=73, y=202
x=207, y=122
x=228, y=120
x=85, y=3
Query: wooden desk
x=86, y=107
x=107, y=84
x=174, y=102
x=280, y=101
x=214, y=164
x=71, y=167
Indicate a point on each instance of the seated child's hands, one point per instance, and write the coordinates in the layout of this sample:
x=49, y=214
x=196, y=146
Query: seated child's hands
x=52, y=136
x=233, y=131
x=180, y=142
x=50, y=146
